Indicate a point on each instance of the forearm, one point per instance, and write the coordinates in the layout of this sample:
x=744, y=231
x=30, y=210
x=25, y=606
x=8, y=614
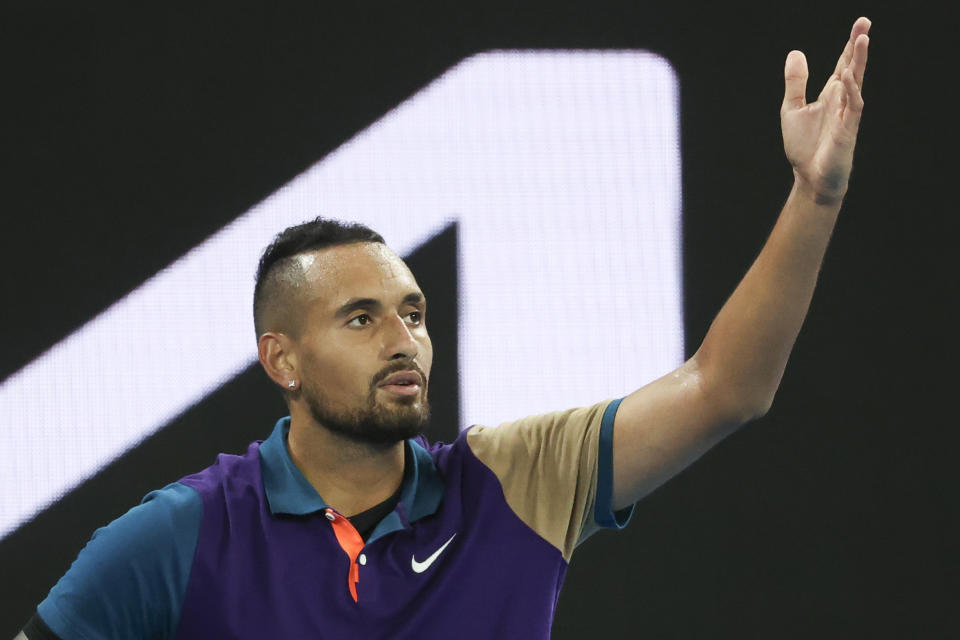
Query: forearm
x=744, y=354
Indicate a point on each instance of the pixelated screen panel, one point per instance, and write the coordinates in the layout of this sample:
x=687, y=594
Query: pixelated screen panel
x=562, y=169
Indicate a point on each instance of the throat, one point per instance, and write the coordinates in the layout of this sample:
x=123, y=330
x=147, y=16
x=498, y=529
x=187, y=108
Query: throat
x=350, y=477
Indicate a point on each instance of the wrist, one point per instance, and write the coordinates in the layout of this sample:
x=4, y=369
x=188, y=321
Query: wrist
x=803, y=188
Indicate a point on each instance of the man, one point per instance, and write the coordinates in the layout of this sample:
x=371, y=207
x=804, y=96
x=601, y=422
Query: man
x=346, y=524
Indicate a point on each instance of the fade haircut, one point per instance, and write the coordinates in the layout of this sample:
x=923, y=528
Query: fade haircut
x=279, y=274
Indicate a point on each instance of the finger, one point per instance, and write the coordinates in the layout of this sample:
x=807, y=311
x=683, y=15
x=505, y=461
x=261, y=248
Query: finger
x=860, y=26
x=854, y=101
x=795, y=81
x=859, y=63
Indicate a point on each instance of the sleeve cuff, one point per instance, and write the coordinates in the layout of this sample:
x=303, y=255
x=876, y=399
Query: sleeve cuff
x=37, y=629
x=603, y=513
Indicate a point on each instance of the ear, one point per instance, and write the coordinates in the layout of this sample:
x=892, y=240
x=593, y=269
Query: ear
x=279, y=360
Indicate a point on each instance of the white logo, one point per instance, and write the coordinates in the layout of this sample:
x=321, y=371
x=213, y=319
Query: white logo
x=420, y=567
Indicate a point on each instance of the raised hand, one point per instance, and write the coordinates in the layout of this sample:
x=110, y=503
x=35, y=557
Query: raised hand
x=819, y=137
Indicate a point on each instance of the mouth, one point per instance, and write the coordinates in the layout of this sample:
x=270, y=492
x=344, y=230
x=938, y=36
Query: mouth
x=403, y=383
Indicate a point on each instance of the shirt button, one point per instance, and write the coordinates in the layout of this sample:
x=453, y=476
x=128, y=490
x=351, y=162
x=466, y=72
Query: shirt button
x=330, y=516
x=363, y=558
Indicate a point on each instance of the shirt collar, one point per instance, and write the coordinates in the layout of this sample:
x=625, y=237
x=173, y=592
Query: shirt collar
x=288, y=491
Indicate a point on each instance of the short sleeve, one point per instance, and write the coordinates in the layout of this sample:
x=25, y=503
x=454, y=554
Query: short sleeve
x=556, y=471
x=130, y=578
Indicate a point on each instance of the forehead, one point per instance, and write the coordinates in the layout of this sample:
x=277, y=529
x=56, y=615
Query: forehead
x=334, y=275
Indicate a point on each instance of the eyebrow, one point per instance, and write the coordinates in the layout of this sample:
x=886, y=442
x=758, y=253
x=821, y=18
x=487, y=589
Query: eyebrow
x=372, y=304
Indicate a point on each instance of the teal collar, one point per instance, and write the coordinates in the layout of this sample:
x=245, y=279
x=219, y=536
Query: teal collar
x=289, y=492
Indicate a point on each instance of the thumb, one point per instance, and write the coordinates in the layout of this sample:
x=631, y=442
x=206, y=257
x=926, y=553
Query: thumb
x=795, y=81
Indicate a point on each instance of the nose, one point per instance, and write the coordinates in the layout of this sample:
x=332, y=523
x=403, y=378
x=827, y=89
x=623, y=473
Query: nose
x=398, y=341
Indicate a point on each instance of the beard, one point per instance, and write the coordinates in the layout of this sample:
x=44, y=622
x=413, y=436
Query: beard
x=374, y=423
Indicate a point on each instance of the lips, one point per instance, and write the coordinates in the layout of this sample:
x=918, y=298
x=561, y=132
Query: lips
x=403, y=383
x=402, y=378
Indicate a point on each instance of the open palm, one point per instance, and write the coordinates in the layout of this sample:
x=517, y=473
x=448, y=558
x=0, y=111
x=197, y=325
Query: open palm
x=819, y=137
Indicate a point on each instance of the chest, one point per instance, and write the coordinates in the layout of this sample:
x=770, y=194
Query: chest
x=472, y=569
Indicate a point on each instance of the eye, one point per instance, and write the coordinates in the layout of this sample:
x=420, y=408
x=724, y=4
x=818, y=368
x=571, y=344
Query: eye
x=361, y=320
x=415, y=317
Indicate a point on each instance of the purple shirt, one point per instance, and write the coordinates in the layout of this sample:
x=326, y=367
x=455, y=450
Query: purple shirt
x=477, y=546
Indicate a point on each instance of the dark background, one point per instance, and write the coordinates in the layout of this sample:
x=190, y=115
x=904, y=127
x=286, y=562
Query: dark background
x=130, y=135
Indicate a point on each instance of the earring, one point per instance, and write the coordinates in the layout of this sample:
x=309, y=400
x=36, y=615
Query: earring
x=292, y=384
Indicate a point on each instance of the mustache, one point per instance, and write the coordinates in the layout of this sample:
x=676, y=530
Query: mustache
x=394, y=367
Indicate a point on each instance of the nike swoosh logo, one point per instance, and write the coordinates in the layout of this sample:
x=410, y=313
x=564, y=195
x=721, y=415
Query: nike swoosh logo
x=420, y=567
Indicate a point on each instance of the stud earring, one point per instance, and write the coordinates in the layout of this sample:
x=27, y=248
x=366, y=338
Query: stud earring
x=292, y=384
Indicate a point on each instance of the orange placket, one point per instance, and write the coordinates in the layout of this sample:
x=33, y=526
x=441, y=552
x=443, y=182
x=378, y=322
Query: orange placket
x=351, y=543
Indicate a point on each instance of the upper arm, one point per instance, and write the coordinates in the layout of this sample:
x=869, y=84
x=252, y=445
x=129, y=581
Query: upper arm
x=663, y=427
x=555, y=471
x=129, y=580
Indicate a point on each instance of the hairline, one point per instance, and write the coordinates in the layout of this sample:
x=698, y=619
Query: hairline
x=267, y=292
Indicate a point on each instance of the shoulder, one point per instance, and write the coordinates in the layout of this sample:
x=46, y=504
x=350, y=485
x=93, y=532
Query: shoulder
x=171, y=509
x=229, y=475
x=555, y=470
x=556, y=433
x=129, y=580
x=166, y=520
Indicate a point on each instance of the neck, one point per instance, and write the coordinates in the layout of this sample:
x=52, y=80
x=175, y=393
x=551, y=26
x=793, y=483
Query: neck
x=350, y=476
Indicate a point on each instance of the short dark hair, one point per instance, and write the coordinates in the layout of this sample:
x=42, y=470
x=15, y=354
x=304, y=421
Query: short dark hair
x=276, y=263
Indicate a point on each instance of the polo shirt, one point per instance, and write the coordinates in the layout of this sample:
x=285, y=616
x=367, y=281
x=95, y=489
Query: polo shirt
x=477, y=545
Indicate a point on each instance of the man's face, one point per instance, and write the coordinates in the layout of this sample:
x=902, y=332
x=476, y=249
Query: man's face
x=363, y=350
